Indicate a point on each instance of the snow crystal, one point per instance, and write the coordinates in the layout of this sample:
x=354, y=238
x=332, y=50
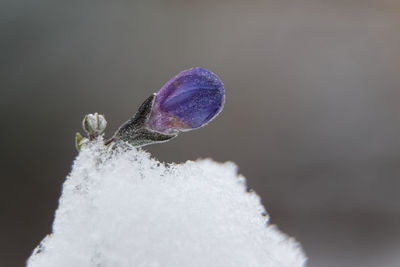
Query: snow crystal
x=123, y=208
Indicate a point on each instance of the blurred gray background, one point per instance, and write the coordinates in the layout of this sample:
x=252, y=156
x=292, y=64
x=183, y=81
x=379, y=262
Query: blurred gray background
x=312, y=113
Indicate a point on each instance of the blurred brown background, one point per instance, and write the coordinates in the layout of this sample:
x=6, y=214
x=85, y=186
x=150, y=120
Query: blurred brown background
x=311, y=116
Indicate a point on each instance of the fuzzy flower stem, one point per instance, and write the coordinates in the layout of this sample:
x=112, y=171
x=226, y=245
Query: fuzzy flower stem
x=109, y=141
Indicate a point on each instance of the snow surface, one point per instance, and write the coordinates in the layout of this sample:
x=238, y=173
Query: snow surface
x=127, y=209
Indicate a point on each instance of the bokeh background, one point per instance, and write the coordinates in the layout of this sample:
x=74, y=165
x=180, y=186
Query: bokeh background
x=312, y=113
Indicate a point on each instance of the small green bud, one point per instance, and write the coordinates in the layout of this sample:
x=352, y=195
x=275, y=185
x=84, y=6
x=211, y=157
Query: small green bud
x=94, y=125
x=79, y=141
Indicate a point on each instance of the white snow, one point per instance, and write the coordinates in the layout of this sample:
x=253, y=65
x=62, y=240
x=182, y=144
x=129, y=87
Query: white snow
x=128, y=209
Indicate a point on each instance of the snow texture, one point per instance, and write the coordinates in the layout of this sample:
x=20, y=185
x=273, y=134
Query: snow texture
x=127, y=209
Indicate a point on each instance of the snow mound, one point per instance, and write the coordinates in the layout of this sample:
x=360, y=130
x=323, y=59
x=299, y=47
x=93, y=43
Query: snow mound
x=126, y=209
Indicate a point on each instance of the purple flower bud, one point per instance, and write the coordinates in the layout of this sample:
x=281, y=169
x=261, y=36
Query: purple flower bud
x=186, y=102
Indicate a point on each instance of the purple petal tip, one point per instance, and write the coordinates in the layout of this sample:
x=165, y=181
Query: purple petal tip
x=187, y=101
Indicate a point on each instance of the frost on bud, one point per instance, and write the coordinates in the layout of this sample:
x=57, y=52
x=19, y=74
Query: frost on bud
x=188, y=101
x=94, y=125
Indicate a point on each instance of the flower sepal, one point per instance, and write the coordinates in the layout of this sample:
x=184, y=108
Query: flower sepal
x=135, y=131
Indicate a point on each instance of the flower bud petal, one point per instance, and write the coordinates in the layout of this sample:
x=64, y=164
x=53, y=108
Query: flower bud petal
x=186, y=102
